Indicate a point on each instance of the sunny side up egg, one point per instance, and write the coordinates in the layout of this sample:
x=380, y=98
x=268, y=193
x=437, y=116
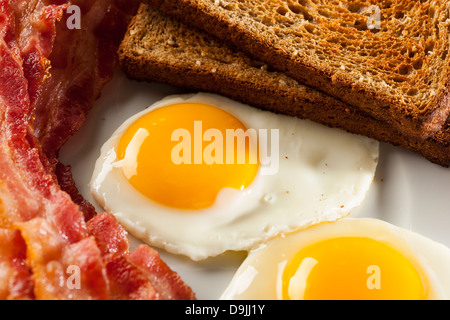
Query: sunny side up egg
x=201, y=174
x=353, y=258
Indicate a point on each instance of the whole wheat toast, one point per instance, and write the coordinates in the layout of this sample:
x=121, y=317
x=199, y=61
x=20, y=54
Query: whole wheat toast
x=159, y=48
x=387, y=58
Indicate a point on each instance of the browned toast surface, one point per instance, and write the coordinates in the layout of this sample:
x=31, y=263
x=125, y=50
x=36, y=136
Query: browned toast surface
x=159, y=48
x=395, y=68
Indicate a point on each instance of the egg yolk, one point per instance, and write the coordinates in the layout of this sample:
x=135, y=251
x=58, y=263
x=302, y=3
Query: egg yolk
x=351, y=268
x=177, y=155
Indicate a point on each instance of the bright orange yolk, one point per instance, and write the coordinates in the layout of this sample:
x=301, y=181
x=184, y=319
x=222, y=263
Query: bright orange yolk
x=177, y=155
x=355, y=268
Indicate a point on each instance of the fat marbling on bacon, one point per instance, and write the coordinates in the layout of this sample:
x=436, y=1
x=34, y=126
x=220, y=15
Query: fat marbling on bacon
x=49, y=83
x=15, y=278
x=81, y=64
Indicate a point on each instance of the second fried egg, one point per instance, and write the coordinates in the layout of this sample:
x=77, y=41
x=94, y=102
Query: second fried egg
x=350, y=259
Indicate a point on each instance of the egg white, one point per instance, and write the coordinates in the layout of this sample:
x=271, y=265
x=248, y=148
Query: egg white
x=260, y=275
x=323, y=174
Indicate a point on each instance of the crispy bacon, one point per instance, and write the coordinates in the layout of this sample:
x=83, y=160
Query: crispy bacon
x=126, y=281
x=36, y=30
x=143, y=263
x=15, y=278
x=83, y=61
x=167, y=283
x=62, y=270
x=65, y=180
x=32, y=191
x=46, y=249
x=110, y=235
x=33, y=203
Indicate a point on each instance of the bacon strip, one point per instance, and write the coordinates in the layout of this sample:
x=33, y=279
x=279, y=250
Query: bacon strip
x=61, y=270
x=110, y=235
x=36, y=31
x=167, y=283
x=15, y=278
x=143, y=263
x=47, y=251
x=37, y=194
x=83, y=61
x=65, y=180
x=126, y=281
x=32, y=202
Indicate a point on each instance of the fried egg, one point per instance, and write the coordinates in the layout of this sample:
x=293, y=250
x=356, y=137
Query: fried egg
x=353, y=258
x=201, y=174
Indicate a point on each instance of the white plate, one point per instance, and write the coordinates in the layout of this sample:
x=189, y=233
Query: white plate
x=408, y=190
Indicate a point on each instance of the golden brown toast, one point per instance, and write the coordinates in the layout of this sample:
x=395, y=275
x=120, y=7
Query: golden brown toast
x=159, y=48
x=388, y=58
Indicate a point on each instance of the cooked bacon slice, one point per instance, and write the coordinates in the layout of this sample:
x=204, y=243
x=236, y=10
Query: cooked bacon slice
x=29, y=190
x=110, y=235
x=19, y=157
x=46, y=229
x=61, y=270
x=7, y=25
x=51, y=224
x=15, y=278
x=83, y=61
x=166, y=282
x=65, y=180
x=35, y=27
x=126, y=281
x=49, y=221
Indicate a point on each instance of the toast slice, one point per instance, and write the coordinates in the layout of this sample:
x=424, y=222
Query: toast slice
x=389, y=59
x=159, y=48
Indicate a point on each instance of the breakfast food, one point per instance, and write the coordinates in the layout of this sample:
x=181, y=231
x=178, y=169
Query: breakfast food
x=347, y=259
x=15, y=281
x=76, y=66
x=47, y=250
x=184, y=192
x=82, y=62
x=378, y=57
x=305, y=173
x=159, y=48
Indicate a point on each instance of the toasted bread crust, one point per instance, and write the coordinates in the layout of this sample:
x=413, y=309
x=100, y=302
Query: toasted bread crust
x=419, y=123
x=151, y=59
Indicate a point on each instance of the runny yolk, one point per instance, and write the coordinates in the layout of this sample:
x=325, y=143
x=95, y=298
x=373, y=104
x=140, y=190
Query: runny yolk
x=177, y=155
x=351, y=268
